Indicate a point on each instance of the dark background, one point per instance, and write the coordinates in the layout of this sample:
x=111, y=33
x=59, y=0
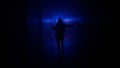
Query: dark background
x=18, y=33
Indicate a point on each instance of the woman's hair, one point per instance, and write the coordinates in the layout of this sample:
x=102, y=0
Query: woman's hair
x=60, y=20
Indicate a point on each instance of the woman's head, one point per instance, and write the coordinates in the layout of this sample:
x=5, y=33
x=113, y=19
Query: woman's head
x=60, y=20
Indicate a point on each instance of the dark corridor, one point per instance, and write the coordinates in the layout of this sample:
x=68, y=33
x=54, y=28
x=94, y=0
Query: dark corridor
x=27, y=37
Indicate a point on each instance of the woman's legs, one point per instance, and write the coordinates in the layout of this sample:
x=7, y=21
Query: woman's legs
x=62, y=46
x=58, y=45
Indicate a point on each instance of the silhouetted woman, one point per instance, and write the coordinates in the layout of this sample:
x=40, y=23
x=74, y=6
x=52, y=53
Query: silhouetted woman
x=60, y=32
